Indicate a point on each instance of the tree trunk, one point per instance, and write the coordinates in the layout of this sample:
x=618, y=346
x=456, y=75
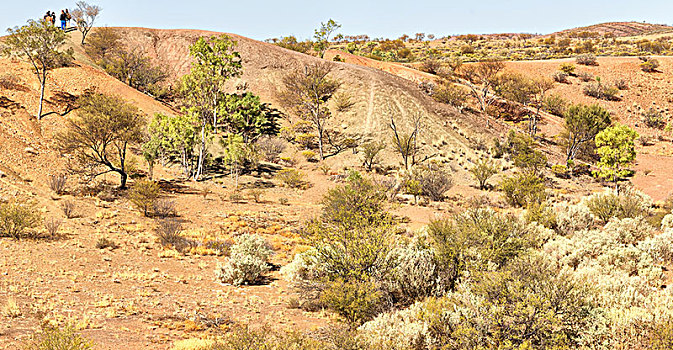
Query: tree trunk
x=322, y=157
x=39, y=112
x=124, y=177
x=202, y=151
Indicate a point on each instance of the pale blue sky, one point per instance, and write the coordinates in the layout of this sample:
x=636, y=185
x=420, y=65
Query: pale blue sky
x=265, y=19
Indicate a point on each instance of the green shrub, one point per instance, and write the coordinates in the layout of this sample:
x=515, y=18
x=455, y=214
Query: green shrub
x=17, y=220
x=450, y=94
x=523, y=189
x=247, y=263
x=531, y=160
x=529, y=304
x=370, y=154
x=359, y=201
x=144, y=194
x=542, y=214
x=476, y=240
x=52, y=338
x=649, y=64
x=355, y=301
x=555, y=105
x=356, y=248
x=628, y=203
x=560, y=171
x=292, y=178
x=483, y=170
x=567, y=68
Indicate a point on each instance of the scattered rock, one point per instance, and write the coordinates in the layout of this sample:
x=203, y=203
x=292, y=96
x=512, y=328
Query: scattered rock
x=31, y=150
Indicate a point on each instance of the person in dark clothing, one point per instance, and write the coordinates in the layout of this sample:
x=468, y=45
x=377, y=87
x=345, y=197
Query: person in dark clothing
x=48, y=18
x=64, y=18
x=53, y=18
x=68, y=17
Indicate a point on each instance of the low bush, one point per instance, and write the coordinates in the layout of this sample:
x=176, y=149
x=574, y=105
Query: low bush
x=169, y=232
x=585, y=77
x=240, y=337
x=52, y=225
x=344, y=102
x=256, y=194
x=144, y=195
x=450, y=94
x=69, y=209
x=57, y=183
x=567, y=68
x=621, y=84
x=359, y=200
x=370, y=153
x=483, y=170
x=561, y=171
x=649, y=64
x=18, y=220
x=270, y=148
x=431, y=65
x=628, y=203
x=53, y=338
x=560, y=77
x=572, y=218
x=355, y=301
x=247, y=262
x=433, y=181
x=556, y=309
x=654, y=118
x=523, y=189
x=291, y=178
x=417, y=273
x=165, y=208
x=541, y=214
x=555, y=105
x=586, y=60
x=601, y=92
x=104, y=243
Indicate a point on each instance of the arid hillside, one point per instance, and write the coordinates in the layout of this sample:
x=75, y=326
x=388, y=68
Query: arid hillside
x=377, y=94
x=109, y=276
x=618, y=29
x=644, y=91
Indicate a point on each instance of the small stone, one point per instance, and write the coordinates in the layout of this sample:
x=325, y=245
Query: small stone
x=31, y=150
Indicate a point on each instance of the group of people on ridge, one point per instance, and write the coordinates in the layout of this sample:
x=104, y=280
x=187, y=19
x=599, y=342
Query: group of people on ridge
x=64, y=18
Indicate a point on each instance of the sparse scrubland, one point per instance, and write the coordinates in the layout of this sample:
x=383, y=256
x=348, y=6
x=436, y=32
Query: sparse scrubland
x=198, y=208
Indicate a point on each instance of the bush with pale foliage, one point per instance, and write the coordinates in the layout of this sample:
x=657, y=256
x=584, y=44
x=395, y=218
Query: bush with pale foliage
x=247, y=263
